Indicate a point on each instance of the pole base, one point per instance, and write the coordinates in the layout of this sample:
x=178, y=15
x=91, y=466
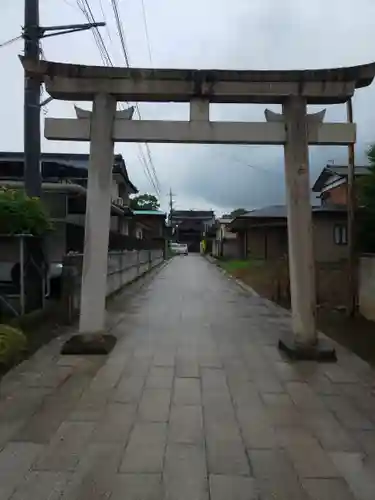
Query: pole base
x=322, y=351
x=89, y=343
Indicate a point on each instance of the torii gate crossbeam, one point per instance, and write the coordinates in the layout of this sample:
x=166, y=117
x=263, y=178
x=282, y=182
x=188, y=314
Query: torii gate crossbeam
x=294, y=129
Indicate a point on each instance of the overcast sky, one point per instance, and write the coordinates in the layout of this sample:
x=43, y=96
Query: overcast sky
x=232, y=34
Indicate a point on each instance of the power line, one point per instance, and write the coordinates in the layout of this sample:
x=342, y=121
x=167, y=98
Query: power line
x=120, y=31
x=255, y=167
x=70, y=4
x=143, y=161
x=9, y=42
x=85, y=8
x=105, y=20
x=152, y=180
x=146, y=30
x=41, y=50
x=148, y=151
x=171, y=194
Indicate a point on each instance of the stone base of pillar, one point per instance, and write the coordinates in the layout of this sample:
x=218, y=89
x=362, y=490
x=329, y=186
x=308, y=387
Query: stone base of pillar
x=322, y=351
x=89, y=343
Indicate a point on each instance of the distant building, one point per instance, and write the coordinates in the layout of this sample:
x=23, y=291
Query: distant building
x=191, y=225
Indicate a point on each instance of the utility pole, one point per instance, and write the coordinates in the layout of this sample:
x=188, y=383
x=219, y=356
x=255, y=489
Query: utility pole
x=32, y=102
x=34, y=268
x=352, y=264
x=170, y=207
x=173, y=235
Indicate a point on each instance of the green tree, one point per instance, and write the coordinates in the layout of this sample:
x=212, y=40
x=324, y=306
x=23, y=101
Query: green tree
x=238, y=212
x=366, y=195
x=144, y=202
x=21, y=214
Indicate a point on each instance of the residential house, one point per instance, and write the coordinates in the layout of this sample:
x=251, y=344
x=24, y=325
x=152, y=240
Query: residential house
x=262, y=233
x=225, y=243
x=332, y=188
x=332, y=184
x=149, y=225
x=64, y=190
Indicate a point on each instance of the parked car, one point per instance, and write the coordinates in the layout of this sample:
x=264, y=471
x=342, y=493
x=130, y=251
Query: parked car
x=179, y=248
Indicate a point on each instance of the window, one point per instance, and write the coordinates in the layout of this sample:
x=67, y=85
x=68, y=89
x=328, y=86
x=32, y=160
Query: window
x=340, y=234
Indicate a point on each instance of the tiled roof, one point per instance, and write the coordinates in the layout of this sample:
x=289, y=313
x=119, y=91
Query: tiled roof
x=280, y=211
x=332, y=170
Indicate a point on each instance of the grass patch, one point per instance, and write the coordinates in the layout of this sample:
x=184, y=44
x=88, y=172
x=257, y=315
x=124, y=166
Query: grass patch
x=268, y=278
x=233, y=266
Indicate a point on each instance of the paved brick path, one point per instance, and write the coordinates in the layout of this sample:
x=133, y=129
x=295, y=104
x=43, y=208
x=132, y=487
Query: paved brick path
x=194, y=403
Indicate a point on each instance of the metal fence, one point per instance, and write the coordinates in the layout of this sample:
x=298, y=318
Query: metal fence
x=14, y=264
x=123, y=268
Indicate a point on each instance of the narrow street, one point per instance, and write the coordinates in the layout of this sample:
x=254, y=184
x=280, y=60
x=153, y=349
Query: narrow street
x=194, y=403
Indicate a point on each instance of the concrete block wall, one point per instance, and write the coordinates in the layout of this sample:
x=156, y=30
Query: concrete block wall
x=332, y=283
x=270, y=278
x=123, y=268
x=366, y=286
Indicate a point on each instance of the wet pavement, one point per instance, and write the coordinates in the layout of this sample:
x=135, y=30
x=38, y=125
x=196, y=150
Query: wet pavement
x=194, y=403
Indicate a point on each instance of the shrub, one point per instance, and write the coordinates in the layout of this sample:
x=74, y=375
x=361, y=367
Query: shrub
x=13, y=344
x=21, y=214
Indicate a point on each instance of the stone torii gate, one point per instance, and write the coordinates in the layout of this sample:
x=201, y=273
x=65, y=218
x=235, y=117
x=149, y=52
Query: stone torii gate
x=294, y=129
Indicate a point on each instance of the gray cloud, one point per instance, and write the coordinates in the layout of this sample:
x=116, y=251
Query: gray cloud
x=240, y=34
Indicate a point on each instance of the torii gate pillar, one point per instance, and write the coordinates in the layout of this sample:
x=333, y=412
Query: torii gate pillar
x=300, y=233
x=304, y=344
x=98, y=208
x=91, y=338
